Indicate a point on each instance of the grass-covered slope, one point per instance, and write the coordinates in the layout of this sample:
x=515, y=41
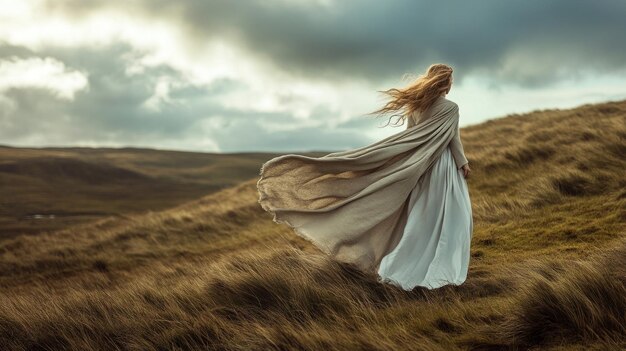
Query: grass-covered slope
x=46, y=189
x=547, y=269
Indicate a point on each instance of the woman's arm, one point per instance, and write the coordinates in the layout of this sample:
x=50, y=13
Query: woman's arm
x=457, y=149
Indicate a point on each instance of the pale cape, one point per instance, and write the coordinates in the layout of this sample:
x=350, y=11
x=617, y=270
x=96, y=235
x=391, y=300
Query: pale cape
x=353, y=204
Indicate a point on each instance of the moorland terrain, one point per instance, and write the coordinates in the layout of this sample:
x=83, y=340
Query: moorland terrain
x=547, y=269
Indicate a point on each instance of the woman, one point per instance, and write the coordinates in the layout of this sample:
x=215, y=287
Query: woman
x=399, y=207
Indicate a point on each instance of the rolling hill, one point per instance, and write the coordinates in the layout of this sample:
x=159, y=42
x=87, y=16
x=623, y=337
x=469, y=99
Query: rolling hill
x=548, y=264
x=46, y=189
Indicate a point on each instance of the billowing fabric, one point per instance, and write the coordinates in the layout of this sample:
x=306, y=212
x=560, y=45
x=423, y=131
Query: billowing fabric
x=435, y=246
x=353, y=204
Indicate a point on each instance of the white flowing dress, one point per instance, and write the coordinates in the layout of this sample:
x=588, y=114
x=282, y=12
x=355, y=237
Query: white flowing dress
x=434, y=249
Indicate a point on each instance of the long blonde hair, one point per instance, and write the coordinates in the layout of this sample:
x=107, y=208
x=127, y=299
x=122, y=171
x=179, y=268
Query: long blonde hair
x=419, y=95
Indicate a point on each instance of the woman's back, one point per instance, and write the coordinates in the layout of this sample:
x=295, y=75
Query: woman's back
x=418, y=117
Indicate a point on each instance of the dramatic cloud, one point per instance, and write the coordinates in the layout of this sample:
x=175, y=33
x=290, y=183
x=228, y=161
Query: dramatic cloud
x=42, y=73
x=530, y=43
x=261, y=75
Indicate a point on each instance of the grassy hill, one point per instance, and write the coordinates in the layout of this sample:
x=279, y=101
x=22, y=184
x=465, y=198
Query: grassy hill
x=548, y=264
x=46, y=189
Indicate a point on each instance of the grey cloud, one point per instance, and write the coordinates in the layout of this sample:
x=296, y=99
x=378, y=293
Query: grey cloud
x=111, y=108
x=352, y=40
x=377, y=40
x=110, y=111
x=251, y=136
x=8, y=50
x=251, y=133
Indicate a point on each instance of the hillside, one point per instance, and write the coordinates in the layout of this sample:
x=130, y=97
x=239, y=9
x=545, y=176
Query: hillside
x=46, y=189
x=548, y=266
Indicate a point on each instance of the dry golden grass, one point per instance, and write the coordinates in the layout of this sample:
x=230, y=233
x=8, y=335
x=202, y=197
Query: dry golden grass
x=548, y=265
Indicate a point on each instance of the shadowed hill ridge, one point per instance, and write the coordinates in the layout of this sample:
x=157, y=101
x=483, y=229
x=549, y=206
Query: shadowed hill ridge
x=71, y=170
x=548, y=196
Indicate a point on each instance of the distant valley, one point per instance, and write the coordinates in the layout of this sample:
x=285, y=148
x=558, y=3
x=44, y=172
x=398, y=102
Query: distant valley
x=45, y=189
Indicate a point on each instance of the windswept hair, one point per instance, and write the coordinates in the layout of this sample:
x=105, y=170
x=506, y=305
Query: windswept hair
x=419, y=95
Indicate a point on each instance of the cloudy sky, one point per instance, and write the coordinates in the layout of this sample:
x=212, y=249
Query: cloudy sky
x=287, y=75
